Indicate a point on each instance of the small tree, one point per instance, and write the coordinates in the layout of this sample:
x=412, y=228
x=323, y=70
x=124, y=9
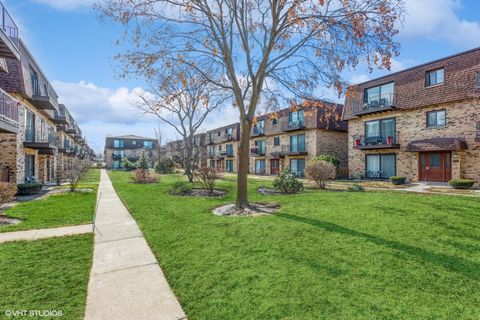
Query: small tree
x=7, y=192
x=287, y=182
x=165, y=166
x=329, y=158
x=143, y=163
x=320, y=171
x=207, y=177
x=75, y=172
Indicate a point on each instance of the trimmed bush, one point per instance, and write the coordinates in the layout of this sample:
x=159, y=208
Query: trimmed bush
x=7, y=192
x=461, y=183
x=29, y=188
x=320, y=171
x=288, y=182
x=207, y=177
x=180, y=189
x=396, y=180
x=165, y=166
x=328, y=158
x=356, y=188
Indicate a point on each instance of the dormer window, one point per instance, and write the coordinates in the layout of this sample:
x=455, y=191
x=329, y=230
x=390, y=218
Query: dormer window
x=477, y=80
x=434, y=77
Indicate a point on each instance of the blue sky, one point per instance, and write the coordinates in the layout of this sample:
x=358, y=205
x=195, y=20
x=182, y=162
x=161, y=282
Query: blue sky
x=76, y=51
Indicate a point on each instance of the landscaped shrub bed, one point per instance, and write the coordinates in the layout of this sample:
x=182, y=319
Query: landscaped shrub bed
x=461, y=183
x=29, y=188
x=396, y=180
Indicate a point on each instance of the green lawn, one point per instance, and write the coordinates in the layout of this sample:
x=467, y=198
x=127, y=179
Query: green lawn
x=49, y=274
x=325, y=255
x=57, y=210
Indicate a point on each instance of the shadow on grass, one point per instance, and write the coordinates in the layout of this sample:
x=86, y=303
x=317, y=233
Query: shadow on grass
x=455, y=264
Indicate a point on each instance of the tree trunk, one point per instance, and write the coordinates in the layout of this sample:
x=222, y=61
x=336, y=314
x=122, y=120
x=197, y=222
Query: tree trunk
x=187, y=160
x=243, y=164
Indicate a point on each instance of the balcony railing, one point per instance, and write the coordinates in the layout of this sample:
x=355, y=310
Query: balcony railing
x=383, y=102
x=295, y=125
x=299, y=149
x=258, y=151
x=8, y=113
x=382, y=141
x=9, y=26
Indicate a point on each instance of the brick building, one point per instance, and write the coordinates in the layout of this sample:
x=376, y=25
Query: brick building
x=29, y=117
x=130, y=147
x=422, y=123
x=290, y=138
x=222, y=145
x=175, y=150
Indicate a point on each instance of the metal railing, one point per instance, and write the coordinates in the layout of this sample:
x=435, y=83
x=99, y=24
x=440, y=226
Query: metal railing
x=258, y=151
x=9, y=26
x=296, y=124
x=373, y=103
x=294, y=148
x=32, y=136
x=8, y=107
x=380, y=139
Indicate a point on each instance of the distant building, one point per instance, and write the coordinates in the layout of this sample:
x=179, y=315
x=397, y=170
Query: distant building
x=130, y=147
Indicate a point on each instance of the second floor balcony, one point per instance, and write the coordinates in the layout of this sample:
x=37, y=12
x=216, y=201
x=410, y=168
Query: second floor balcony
x=61, y=115
x=380, y=141
x=258, y=151
x=42, y=142
x=374, y=104
x=294, y=125
x=43, y=95
x=8, y=113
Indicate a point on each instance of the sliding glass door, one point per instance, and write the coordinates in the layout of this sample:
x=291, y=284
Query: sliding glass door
x=380, y=166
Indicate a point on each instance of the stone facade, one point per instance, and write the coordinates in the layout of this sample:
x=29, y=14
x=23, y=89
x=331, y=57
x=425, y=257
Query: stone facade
x=216, y=148
x=462, y=120
x=132, y=149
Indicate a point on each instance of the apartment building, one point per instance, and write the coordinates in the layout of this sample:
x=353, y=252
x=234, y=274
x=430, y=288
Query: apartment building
x=222, y=145
x=130, y=147
x=175, y=150
x=29, y=113
x=290, y=138
x=422, y=123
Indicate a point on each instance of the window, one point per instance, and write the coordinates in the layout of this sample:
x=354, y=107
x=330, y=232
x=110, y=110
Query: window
x=118, y=143
x=117, y=164
x=380, y=166
x=297, y=166
x=295, y=119
x=436, y=118
x=274, y=121
x=148, y=144
x=276, y=141
x=212, y=164
x=218, y=134
x=260, y=166
x=259, y=127
x=477, y=80
x=220, y=148
x=118, y=153
x=229, y=165
x=229, y=131
x=379, y=131
x=297, y=143
x=30, y=126
x=260, y=146
x=379, y=96
x=211, y=150
x=434, y=77
x=29, y=168
x=229, y=148
x=134, y=142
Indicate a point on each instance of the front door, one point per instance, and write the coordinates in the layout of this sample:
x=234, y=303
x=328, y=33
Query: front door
x=275, y=167
x=435, y=166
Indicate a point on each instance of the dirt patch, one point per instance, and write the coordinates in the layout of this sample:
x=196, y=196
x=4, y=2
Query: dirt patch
x=254, y=209
x=5, y=221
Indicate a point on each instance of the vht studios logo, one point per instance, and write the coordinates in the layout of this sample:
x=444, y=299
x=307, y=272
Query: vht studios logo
x=33, y=313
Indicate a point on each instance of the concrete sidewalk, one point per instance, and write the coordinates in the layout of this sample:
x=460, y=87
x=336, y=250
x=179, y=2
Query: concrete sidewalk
x=36, y=234
x=126, y=281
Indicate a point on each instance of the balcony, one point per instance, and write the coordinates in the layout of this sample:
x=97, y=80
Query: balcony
x=376, y=142
x=46, y=100
x=375, y=104
x=212, y=154
x=9, y=41
x=294, y=126
x=116, y=156
x=258, y=152
x=8, y=113
x=45, y=144
x=299, y=150
x=258, y=131
x=61, y=115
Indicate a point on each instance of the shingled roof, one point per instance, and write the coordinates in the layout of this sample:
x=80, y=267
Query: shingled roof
x=437, y=144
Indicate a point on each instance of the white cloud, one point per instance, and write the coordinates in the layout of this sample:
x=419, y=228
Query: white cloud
x=359, y=78
x=66, y=4
x=104, y=111
x=440, y=19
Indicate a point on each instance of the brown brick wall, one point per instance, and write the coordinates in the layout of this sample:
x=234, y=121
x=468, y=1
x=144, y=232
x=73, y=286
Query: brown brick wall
x=462, y=119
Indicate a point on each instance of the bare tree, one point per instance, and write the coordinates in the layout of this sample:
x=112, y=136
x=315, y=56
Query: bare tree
x=75, y=172
x=182, y=98
x=258, y=50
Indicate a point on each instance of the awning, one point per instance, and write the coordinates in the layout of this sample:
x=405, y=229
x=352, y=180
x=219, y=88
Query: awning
x=437, y=144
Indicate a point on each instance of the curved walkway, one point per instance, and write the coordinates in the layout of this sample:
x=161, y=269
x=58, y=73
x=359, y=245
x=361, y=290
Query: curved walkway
x=126, y=281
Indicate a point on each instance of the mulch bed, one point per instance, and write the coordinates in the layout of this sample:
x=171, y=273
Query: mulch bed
x=273, y=192
x=199, y=192
x=254, y=209
x=5, y=221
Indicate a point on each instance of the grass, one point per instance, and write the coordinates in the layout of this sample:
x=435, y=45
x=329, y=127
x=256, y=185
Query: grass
x=325, y=255
x=57, y=210
x=49, y=274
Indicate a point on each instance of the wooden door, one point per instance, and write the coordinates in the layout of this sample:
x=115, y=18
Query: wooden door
x=275, y=167
x=435, y=166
